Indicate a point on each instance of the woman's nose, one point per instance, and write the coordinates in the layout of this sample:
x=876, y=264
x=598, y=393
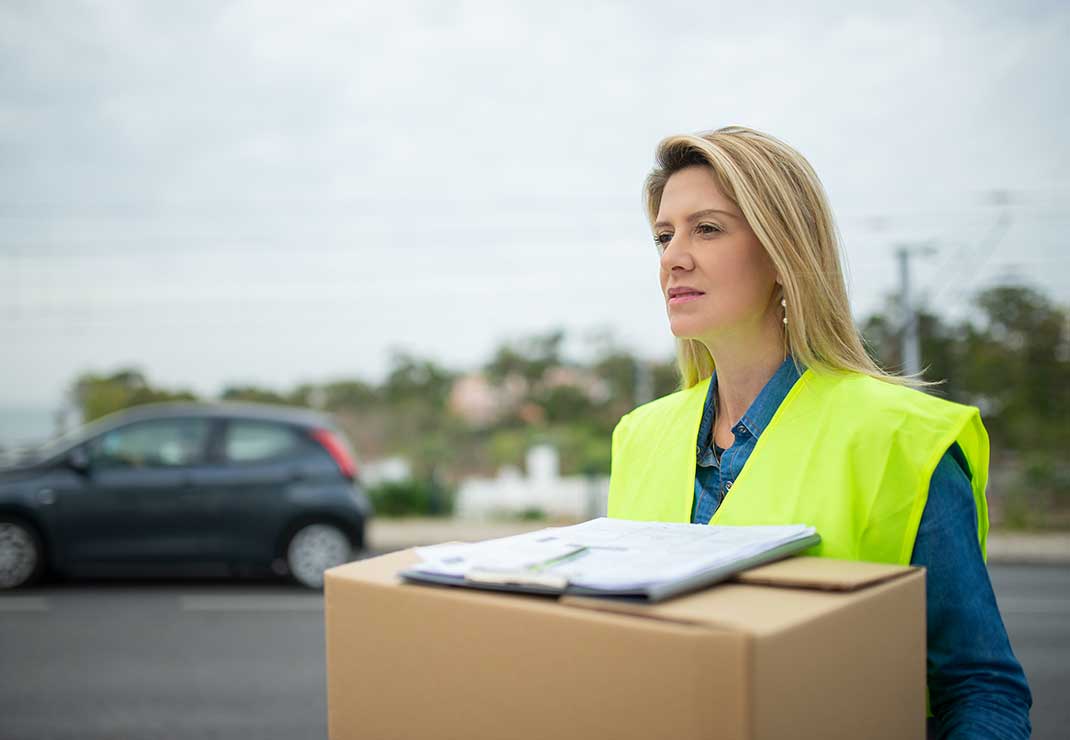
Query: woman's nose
x=676, y=255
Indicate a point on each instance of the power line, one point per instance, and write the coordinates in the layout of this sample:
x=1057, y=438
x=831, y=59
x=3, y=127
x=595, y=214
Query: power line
x=972, y=260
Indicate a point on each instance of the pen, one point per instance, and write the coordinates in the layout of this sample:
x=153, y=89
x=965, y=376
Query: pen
x=539, y=567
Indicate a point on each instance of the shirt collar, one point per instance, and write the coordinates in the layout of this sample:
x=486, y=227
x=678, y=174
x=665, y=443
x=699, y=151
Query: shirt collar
x=761, y=410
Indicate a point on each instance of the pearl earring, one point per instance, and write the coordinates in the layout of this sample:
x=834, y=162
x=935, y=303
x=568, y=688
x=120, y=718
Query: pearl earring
x=784, y=304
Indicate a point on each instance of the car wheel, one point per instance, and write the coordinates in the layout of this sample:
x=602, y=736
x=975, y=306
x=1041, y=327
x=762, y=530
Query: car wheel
x=21, y=555
x=313, y=549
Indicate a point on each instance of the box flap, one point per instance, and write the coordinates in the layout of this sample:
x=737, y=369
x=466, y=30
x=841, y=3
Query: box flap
x=806, y=588
x=826, y=574
x=734, y=607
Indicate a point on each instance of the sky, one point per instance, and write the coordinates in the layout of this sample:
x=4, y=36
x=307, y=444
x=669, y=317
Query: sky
x=274, y=193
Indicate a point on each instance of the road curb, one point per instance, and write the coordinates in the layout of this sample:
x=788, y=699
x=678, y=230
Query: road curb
x=1016, y=548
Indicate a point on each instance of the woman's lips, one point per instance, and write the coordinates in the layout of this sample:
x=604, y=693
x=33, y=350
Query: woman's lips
x=684, y=298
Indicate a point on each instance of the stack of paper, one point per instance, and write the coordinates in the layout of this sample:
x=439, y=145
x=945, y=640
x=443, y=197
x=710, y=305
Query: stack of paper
x=612, y=556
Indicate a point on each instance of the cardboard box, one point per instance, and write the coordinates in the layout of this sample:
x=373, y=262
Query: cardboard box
x=803, y=648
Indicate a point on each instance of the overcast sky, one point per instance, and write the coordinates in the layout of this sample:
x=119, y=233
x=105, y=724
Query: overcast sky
x=277, y=192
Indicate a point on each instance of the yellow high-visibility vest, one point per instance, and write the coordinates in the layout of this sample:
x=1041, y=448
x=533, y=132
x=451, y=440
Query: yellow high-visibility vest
x=846, y=453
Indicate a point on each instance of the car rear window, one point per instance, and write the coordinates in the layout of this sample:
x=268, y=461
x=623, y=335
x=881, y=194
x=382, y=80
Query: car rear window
x=252, y=441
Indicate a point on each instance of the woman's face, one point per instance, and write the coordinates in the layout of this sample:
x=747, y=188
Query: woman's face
x=716, y=278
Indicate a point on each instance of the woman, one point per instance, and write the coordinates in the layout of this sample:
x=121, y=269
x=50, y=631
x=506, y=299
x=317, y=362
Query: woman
x=784, y=418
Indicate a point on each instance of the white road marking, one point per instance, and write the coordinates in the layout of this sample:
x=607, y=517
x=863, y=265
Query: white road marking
x=246, y=604
x=23, y=604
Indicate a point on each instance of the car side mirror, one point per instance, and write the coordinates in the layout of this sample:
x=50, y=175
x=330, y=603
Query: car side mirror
x=78, y=459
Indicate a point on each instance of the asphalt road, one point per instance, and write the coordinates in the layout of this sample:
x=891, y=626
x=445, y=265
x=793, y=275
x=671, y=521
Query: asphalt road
x=212, y=659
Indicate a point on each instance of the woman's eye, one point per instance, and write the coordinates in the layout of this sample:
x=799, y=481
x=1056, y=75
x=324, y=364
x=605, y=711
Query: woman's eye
x=709, y=228
x=660, y=240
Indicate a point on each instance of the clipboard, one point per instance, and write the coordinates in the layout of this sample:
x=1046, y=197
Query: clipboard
x=552, y=584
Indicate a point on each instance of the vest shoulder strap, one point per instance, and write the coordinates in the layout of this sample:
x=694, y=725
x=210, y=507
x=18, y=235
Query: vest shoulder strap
x=653, y=458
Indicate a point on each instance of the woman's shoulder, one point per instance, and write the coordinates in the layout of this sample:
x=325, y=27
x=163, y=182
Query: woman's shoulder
x=871, y=404
x=669, y=406
x=877, y=391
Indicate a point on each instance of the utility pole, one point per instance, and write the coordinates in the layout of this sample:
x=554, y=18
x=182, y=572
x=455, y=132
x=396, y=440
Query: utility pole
x=908, y=322
x=909, y=318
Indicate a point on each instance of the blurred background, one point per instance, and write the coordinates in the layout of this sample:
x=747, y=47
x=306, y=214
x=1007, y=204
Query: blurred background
x=423, y=222
x=427, y=217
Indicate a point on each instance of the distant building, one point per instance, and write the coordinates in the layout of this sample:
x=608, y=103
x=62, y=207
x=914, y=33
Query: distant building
x=588, y=383
x=479, y=402
x=386, y=470
x=541, y=489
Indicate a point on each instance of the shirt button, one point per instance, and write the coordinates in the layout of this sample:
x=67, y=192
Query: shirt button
x=728, y=486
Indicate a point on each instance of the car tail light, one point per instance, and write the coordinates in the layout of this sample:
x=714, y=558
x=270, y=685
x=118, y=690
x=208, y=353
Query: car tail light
x=338, y=450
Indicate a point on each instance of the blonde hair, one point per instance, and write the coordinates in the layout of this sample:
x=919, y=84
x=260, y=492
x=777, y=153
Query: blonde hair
x=785, y=205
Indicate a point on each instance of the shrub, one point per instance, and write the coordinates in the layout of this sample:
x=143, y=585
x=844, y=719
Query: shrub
x=411, y=498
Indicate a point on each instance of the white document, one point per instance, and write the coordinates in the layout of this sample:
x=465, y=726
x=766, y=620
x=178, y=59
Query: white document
x=518, y=552
x=613, y=554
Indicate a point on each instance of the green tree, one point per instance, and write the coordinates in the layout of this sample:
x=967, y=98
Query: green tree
x=618, y=369
x=256, y=394
x=350, y=394
x=414, y=381
x=417, y=423
x=97, y=395
x=665, y=378
x=565, y=404
x=1016, y=361
x=938, y=343
x=529, y=358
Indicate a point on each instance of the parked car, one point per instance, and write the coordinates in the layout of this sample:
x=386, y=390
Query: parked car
x=186, y=484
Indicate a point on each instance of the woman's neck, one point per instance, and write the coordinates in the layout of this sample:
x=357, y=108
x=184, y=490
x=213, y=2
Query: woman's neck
x=740, y=378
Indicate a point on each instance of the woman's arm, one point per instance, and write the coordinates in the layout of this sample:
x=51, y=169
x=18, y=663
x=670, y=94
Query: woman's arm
x=977, y=688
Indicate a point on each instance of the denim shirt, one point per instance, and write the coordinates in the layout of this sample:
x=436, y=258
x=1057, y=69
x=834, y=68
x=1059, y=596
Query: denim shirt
x=977, y=688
